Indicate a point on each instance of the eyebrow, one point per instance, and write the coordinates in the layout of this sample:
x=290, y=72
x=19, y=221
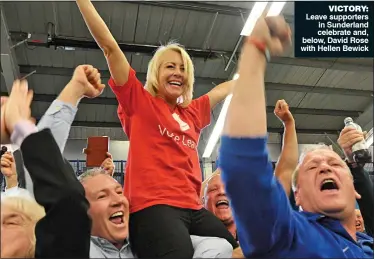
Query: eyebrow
x=329, y=160
x=170, y=62
x=107, y=189
x=14, y=216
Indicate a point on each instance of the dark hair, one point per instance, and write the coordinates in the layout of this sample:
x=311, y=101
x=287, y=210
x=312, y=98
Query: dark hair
x=4, y=149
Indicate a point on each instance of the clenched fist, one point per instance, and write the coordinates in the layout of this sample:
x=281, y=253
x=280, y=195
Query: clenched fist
x=8, y=165
x=275, y=32
x=88, y=77
x=108, y=165
x=282, y=111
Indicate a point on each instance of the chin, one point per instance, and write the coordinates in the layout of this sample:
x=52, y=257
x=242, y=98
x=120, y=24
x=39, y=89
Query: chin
x=121, y=236
x=335, y=210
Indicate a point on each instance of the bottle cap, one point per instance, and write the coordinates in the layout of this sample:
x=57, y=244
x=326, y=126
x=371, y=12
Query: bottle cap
x=348, y=120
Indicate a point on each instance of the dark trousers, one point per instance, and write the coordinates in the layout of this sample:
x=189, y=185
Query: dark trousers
x=163, y=231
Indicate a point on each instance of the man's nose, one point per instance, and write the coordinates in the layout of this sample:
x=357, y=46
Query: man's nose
x=222, y=190
x=117, y=200
x=325, y=168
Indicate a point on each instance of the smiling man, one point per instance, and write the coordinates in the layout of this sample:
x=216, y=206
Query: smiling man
x=216, y=201
x=359, y=224
x=109, y=211
x=267, y=225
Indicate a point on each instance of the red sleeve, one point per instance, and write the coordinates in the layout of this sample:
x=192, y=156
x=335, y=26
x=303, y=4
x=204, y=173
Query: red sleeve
x=203, y=110
x=121, y=115
x=131, y=95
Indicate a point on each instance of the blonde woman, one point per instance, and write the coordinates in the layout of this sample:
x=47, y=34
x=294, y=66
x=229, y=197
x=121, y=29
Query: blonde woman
x=163, y=123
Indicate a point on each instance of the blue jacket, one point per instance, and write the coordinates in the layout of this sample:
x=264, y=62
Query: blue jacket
x=266, y=223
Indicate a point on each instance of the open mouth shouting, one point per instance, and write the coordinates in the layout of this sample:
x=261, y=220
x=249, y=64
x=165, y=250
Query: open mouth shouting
x=222, y=204
x=117, y=218
x=358, y=225
x=329, y=185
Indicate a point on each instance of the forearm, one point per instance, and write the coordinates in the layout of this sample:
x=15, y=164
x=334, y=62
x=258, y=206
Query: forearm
x=117, y=62
x=61, y=113
x=248, y=97
x=288, y=159
x=11, y=181
x=97, y=26
x=220, y=92
x=71, y=94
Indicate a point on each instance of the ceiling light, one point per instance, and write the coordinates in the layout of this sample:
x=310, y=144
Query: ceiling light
x=256, y=12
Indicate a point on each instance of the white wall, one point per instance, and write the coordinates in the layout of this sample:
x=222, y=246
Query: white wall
x=74, y=147
x=119, y=149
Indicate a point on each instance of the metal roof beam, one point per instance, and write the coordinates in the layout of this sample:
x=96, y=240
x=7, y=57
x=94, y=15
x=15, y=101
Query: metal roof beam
x=270, y=109
x=149, y=50
x=269, y=86
x=9, y=65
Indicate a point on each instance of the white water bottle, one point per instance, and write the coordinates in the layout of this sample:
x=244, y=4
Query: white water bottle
x=360, y=151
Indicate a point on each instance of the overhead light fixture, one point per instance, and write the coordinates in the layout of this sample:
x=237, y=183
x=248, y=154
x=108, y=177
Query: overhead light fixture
x=256, y=12
x=370, y=138
x=276, y=8
x=218, y=126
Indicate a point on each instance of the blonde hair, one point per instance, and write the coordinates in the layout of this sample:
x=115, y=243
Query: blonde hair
x=302, y=157
x=152, y=84
x=30, y=209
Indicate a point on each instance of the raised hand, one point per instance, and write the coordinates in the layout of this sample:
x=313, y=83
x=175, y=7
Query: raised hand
x=88, y=78
x=108, y=165
x=8, y=165
x=275, y=32
x=17, y=107
x=282, y=111
x=348, y=137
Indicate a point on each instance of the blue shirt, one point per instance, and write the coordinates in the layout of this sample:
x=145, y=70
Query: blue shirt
x=266, y=223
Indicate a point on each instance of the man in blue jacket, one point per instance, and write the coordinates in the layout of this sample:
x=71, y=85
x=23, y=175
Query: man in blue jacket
x=267, y=225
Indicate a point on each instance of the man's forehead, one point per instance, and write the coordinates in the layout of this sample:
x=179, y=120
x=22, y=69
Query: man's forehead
x=216, y=179
x=321, y=154
x=100, y=182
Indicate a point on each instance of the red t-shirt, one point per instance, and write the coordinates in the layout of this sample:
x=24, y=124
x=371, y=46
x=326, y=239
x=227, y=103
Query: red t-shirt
x=163, y=164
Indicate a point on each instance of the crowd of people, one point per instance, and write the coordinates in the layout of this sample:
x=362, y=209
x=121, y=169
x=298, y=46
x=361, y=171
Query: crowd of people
x=317, y=205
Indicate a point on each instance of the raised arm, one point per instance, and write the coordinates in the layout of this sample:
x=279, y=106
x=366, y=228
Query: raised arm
x=60, y=115
x=288, y=159
x=261, y=209
x=220, y=92
x=65, y=230
x=117, y=62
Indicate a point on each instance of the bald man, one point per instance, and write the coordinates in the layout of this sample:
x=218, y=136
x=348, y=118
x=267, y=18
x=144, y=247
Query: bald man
x=215, y=200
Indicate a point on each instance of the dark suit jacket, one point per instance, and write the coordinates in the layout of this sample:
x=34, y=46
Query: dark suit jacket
x=19, y=167
x=65, y=230
x=365, y=187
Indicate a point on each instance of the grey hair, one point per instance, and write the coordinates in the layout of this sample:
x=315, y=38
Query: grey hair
x=214, y=174
x=91, y=173
x=300, y=161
